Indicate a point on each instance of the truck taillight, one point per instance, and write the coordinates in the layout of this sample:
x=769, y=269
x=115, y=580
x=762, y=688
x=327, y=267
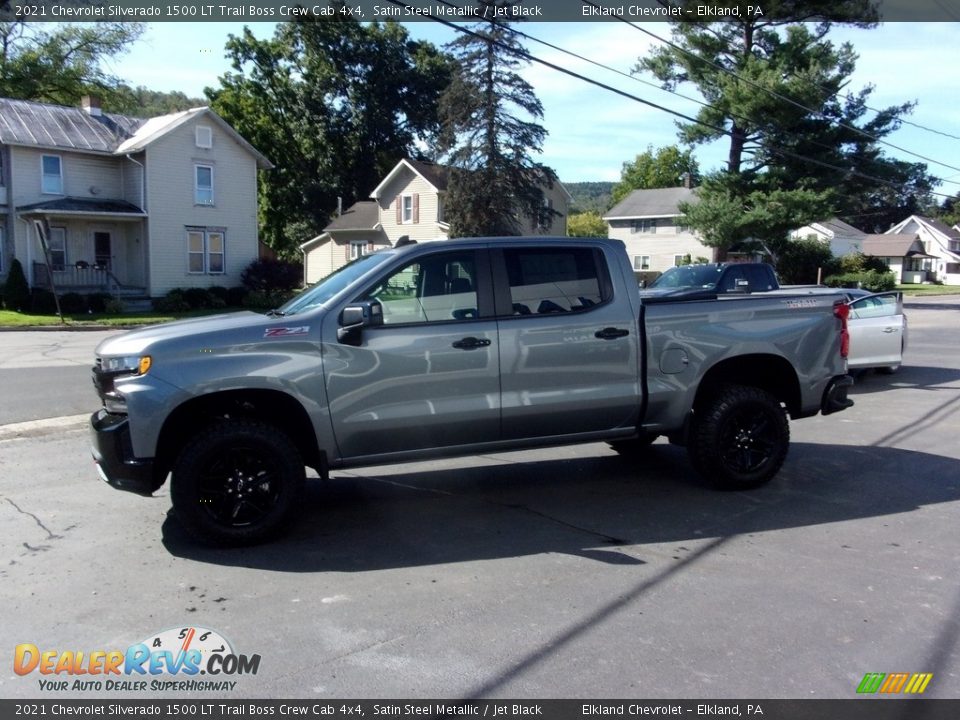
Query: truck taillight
x=842, y=311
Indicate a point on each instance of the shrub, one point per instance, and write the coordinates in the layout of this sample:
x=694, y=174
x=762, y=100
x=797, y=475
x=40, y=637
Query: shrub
x=17, y=291
x=799, y=260
x=868, y=280
x=197, y=298
x=173, y=302
x=272, y=276
x=113, y=307
x=236, y=295
x=219, y=292
x=97, y=302
x=72, y=303
x=42, y=302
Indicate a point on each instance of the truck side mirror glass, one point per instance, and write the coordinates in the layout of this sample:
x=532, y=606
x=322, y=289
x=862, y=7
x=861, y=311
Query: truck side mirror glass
x=355, y=317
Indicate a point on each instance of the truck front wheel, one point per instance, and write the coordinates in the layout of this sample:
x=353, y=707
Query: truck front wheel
x=740, y=438
x=237, y=482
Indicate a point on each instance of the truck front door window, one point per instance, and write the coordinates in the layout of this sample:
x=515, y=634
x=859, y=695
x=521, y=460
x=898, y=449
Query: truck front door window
x=438, y=288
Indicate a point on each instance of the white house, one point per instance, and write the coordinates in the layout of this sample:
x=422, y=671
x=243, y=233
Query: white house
x=647, y=223
x=941, y=245
x=409, y=201
x=842, y=237
x=127, y=205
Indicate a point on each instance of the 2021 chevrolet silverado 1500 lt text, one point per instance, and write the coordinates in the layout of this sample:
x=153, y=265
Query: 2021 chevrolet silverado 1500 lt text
x=456, y=348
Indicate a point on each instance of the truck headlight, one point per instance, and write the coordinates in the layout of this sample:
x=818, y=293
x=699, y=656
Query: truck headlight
x=126, y=365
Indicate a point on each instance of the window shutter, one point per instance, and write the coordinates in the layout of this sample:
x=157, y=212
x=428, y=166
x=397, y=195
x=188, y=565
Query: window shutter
x=416, y=207
x=399, y=209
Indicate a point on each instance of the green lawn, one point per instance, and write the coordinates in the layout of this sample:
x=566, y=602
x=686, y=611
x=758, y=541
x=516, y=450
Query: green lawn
x=11, y=319
x=911, y=290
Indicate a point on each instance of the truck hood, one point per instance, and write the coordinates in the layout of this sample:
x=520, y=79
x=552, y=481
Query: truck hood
x=140, y=341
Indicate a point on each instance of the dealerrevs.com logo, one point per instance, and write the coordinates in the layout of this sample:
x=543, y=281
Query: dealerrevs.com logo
x=172, y=660
x=894, y=683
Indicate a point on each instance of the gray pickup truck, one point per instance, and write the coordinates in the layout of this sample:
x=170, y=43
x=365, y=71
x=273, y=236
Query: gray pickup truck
x=456, y=348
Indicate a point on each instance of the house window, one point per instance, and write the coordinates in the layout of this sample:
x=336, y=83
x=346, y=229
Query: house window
x=204, y=136
x=206, y=249
x=358, y=248
x=407, y=209
x=678, y=260
x=51, y=182
x=643, y=226
x=57, y=245
x=953, y=268
x=203, y=185
x=641, y=262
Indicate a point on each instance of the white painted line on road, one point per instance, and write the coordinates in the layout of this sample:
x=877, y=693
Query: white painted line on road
x=43, y=427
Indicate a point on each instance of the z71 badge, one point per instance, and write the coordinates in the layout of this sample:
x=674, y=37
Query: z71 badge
x=286, y=331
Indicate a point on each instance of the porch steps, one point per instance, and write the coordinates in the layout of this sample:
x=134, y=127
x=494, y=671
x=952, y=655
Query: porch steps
x=135, y=303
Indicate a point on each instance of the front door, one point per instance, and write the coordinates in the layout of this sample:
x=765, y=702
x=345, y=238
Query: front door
x=102, y=250
x=876, y=330
x=429, y=377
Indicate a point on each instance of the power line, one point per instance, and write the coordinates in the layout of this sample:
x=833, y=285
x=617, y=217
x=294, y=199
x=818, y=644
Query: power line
x=772, y=93
x=650, y=84
x=532, y=58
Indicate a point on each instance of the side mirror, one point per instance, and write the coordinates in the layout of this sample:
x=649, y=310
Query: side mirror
x=355, y=317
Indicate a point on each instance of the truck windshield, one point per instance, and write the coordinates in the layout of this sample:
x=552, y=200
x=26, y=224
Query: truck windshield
x=688, y=276
x=333, y=283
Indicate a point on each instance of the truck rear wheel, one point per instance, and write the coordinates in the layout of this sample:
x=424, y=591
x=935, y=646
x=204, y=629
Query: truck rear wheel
x=237, y=482
x=740, y=438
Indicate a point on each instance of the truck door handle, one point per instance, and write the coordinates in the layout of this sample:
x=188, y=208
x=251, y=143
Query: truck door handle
x=890, y=329
x=611, y=333
x=471, y=343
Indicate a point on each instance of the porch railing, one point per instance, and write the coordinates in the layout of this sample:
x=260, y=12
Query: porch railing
x=71, y=276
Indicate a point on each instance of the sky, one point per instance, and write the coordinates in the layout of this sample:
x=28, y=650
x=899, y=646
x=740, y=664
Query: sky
x=592, y=132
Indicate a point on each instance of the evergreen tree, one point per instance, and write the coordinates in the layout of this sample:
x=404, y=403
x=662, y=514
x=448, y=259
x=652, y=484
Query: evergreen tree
x=775, y=89
x=490, y=133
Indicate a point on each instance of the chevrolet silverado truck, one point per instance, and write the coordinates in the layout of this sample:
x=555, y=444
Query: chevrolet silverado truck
x=456, y=348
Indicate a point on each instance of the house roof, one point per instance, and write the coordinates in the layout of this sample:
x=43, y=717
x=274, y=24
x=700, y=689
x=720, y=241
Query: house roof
x=941, y=227
x=81, y=206
x=839, y=227
x=893, y=246
x=57, y=127
x=24, y=122
x=657, y=202
x=435, y=175
x=362, y=215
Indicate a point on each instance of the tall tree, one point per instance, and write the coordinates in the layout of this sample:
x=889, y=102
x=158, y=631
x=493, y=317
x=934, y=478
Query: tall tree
x=773, y=87
x=60, y=63
x=662, y=168
x=337, y=103
x=491, y=133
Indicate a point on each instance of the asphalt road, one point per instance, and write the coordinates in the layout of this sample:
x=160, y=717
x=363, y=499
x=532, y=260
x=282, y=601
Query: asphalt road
x=560, y=573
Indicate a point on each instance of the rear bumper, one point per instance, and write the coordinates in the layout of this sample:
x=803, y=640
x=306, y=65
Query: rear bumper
x=835, y=396
x=113, y=454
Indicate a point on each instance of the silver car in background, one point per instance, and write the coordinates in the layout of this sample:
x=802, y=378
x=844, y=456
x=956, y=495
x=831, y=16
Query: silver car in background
x=878, y=330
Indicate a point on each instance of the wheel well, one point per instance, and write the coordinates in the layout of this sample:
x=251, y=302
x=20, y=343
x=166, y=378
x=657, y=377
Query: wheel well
x=269, y=406
x=769, y=372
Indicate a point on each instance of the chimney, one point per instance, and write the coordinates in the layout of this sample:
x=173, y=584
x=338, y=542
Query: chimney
x=91, y=104
x=687, y=180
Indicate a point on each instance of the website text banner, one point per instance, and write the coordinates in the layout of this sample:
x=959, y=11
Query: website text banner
x=250, y=11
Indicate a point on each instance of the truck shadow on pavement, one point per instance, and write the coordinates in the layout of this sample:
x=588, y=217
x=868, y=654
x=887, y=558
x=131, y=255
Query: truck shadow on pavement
x=602, y=508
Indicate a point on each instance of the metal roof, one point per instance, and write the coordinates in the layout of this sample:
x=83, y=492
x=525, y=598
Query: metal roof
x=74, y=205
x=658, y=202
x=24, y=122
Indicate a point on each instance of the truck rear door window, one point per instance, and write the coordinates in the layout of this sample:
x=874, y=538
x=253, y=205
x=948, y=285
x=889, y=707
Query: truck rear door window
x=553, y=280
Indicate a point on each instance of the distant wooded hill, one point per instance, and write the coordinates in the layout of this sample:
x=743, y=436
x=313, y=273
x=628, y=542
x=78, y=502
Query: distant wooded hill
x=589, y=196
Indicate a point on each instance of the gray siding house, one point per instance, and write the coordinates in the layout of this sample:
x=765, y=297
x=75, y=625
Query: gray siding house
x=126, y=205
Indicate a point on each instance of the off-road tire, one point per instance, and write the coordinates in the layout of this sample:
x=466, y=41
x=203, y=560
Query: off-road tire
x=237, y=482
x=740, y=438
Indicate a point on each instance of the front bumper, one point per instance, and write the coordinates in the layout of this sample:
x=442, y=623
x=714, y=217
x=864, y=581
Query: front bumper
x=113, y=454
x=835, y=396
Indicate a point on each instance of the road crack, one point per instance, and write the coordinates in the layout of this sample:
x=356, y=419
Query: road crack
x=50, y=534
